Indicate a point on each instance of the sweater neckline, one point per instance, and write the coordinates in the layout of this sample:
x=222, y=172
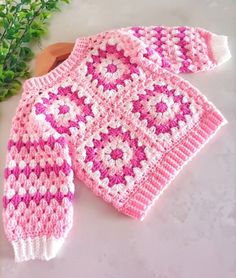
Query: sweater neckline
x=60, y=71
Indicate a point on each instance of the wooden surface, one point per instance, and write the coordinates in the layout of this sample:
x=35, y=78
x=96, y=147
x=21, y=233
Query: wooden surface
x=51, y=56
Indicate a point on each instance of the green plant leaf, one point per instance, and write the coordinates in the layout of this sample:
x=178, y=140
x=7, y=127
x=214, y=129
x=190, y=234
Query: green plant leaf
x=21, y=66
x=3, y=53
x=45, y=15
x=27, y=37
x=3, y=93
x=7, y=76
x=2, y=7
x=26, y=53
x=14, y=60
x=5, y=23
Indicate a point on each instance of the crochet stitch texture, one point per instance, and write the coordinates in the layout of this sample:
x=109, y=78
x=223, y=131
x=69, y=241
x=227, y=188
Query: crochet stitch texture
x=117, y=116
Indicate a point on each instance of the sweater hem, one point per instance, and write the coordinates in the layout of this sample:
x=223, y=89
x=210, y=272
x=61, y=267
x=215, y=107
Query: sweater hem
x=159, y=177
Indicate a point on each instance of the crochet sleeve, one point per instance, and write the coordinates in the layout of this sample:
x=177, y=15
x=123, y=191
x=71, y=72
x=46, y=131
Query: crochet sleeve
x=38, y=188
x=183, y=49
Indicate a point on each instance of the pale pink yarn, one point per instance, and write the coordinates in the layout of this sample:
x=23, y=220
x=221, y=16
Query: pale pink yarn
x=115, y=115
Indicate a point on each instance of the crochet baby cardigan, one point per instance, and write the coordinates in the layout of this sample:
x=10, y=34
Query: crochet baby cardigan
x=116, y=115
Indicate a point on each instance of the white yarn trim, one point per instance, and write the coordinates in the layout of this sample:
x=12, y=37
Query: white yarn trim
x=36, y=248
x=220, y=48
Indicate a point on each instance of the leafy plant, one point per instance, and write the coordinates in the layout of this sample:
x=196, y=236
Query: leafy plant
x=22, y=23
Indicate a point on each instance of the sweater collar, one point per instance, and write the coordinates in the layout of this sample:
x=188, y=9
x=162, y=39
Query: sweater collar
x=42, y=82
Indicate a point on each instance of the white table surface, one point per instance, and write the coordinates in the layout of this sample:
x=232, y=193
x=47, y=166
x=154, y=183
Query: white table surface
x=191, y=231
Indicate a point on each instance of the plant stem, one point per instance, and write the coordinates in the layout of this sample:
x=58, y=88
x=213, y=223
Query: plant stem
x=18, y=42
x=5, y=30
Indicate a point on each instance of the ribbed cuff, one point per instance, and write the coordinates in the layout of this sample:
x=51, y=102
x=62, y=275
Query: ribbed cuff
x=160, y=176
x=36, y=248
x=220, y=48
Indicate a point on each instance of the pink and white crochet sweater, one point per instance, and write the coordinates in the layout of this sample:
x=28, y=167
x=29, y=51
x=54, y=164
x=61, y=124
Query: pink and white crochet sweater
x=115, y=115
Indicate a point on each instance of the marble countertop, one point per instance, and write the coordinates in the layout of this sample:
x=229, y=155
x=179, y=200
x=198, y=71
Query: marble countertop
x=191, y=230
